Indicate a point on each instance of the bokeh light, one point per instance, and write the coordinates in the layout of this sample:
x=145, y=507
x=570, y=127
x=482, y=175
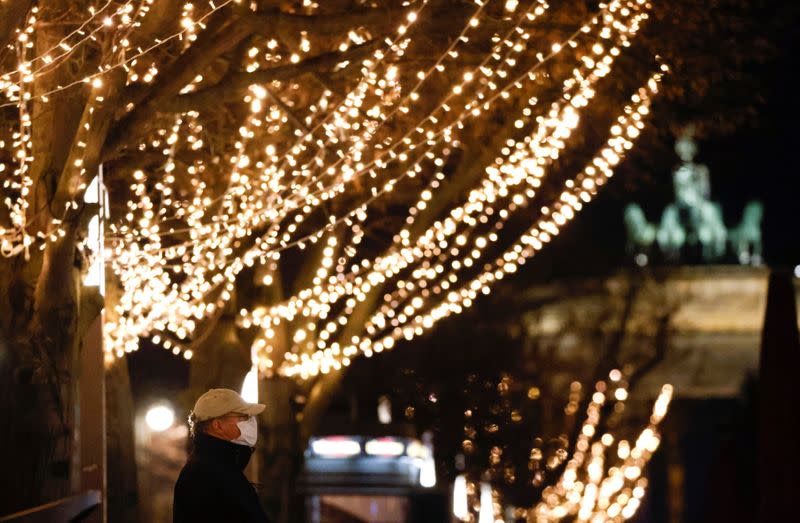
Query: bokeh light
x=159, y=418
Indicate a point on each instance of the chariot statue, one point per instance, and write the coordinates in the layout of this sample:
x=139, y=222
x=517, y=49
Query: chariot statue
x=693, y=223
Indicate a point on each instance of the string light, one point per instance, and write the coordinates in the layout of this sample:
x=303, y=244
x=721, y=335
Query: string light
x=596, y=485
x=602, y=480
x=289, y=314
x=423, y=192
x=235, y=203
x=179, y=249
x=16, y=239
x=577, y=192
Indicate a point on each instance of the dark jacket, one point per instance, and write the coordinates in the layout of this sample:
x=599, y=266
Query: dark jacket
x=212, y=488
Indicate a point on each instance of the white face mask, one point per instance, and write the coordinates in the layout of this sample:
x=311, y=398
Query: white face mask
x=249, y=432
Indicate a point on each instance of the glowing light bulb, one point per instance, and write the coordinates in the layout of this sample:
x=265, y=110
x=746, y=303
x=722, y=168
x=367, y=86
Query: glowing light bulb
x=159, y=418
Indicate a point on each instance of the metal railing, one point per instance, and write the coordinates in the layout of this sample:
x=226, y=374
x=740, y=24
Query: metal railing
x=72, y=508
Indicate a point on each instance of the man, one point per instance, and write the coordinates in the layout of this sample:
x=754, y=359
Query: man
x=212, y=486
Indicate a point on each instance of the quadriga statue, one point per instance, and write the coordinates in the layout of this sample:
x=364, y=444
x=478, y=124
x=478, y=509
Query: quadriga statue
x=745, y=238
x=641, y=233
x=671, y=234
x=692, y=227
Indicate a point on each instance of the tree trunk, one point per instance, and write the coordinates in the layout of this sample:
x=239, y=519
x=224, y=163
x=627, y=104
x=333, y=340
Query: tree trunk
x=121, y=475
x=38, y=380
x=280, y=453
x=41, y=307
x=221, y=360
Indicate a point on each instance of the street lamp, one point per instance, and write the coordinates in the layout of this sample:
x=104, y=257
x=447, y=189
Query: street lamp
x=159, y=418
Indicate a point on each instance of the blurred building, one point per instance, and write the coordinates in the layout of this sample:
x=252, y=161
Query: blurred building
x=369, y=469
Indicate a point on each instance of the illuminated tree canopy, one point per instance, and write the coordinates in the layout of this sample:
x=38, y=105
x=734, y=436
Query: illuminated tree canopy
x=206, y=208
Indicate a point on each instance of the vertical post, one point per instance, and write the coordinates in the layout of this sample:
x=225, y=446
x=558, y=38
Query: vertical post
x=93, y=417
x=92, y=392
x=778, y=404
x=676, y=472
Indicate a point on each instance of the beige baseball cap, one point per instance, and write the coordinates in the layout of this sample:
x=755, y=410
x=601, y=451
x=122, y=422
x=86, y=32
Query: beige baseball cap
x=218, y=402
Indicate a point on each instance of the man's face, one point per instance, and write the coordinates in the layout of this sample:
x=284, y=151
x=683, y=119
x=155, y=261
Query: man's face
x=225, y=427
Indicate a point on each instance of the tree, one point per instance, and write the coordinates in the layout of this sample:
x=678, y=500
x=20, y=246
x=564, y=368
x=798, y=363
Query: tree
x=516, y=418
x=307, y=182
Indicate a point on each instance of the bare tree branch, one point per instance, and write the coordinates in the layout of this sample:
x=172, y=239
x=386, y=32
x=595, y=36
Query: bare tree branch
x=319, y=399
x=230, y=87
x=162, y=16
x=84, y=155
x=12, y=13
x=375, y=20
x=224, y=32
x=287, y=110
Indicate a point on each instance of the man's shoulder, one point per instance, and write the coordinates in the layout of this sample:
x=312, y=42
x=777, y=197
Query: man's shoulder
x=197, y=468
x=197, y=493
